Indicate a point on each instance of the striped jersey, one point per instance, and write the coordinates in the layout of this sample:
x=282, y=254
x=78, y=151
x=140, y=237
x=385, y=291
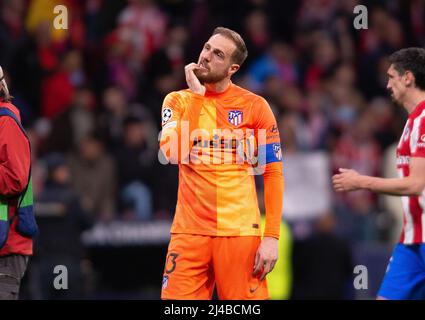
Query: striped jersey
x=412, y=144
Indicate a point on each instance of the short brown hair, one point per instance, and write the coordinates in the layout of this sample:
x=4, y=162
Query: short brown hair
x=413, y=60
x=240, y=53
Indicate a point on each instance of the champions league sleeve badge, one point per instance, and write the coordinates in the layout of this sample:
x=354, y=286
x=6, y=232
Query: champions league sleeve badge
x=167, y=114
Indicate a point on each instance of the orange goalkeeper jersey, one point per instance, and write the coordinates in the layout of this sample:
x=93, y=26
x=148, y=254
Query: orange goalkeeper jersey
x=220, y=141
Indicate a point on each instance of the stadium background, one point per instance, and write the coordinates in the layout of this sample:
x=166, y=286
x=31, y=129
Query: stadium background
x=90, y=97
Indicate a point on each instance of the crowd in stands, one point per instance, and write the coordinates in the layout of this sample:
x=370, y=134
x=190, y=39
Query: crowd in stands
x=90, y=97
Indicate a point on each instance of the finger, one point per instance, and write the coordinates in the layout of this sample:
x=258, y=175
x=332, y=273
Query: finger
x=338, y=182
x=343, y=170
x=257, y=265
x=191, y=77
x=338, y=176
x=266, y=270
x=192, y=66
x=272, y=265
x=335, y=182
x=189, y=68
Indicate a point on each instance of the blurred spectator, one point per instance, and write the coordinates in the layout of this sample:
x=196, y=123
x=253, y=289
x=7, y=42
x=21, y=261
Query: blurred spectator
x=59, y=88
x=74, y=123
x=358, y=149
x=58, y=213
x=135, y=159
x=141, y=25
x=40, y=12
x=392, y=206
x=94, y=178
x=279, y=61
x=322, y=264
x=115, y=109
x=256, y=34
x=115, y=68
x=38, y=169
x=165, y=71
x=324, y=57
x=12, y=31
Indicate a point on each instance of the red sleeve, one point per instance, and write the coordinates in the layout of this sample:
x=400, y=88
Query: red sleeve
x=14, y=158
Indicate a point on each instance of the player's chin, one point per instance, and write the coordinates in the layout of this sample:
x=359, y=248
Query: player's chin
x=394, y=99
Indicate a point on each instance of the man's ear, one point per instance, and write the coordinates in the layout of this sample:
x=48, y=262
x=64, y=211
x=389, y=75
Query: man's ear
x=233, y=69
x=410, y=78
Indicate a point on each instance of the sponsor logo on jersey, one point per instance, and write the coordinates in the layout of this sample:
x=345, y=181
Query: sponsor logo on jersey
x=403, y=160
x=273, y=129
x=423, y=138
x=235, y=117
x=167, y=114
x=217, y=143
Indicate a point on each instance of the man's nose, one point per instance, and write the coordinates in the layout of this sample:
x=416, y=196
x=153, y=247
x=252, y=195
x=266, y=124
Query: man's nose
x=206, y=56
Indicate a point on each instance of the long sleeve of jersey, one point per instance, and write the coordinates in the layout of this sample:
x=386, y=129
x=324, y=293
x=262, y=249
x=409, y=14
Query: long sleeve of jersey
x=270, y=155
x=273, y=198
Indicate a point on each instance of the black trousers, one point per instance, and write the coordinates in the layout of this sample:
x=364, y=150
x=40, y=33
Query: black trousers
x=12, y=269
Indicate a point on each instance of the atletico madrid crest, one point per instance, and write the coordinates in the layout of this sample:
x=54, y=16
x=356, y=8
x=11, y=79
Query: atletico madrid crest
x=235, y=117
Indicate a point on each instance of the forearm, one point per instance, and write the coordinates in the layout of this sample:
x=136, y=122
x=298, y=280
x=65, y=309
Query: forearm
x=397, y=187
x=273, y=199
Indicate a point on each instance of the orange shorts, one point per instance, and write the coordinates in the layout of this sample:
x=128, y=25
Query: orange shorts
x=195, y=263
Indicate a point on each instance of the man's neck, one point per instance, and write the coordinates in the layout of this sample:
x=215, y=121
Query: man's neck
x=218, y=87
x=413, y=99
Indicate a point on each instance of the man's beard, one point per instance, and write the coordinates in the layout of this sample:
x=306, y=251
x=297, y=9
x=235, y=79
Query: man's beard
x=210, y=77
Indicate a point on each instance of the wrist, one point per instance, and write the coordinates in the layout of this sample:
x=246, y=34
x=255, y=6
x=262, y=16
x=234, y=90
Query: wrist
x=363, y=182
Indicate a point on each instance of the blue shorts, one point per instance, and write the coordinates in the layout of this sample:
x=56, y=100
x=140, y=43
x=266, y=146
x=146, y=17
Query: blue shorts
x=405, y=276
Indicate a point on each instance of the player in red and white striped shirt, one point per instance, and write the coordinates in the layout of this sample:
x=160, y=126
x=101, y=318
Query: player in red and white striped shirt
x=405, y=277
